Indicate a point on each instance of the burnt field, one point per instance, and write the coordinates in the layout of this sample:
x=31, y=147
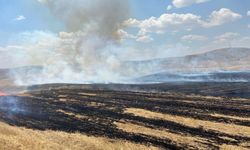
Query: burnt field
x=167, y=116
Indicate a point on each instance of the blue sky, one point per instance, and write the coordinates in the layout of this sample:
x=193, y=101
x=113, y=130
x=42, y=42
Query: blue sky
x=236, y=31
x=37, y=17
x=162, y=39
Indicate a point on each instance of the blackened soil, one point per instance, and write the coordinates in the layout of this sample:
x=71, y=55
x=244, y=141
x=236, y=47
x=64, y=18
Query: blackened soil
x=44, y=107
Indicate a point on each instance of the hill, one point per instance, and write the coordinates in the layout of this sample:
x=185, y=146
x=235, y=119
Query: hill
x=227, y=59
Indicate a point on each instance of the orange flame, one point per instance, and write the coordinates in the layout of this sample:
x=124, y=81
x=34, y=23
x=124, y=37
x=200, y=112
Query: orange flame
x=3, y=94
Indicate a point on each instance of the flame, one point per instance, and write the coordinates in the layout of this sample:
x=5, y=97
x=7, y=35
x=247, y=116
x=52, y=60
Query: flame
x=3, y=94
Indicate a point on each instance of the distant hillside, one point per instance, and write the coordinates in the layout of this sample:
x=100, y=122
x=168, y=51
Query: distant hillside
x=226, y=76
x=222, y=59
x=229, y=64
x=227, y=59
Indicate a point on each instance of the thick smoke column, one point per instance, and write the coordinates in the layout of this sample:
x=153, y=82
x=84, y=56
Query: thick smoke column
x=86, y=51
x=100, y=17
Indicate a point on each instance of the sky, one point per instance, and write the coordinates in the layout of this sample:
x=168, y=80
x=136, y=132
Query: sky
x=151, y=28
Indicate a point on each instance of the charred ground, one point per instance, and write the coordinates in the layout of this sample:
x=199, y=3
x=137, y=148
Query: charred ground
x=114, y=110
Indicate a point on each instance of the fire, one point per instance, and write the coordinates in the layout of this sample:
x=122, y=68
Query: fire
x=2, y=94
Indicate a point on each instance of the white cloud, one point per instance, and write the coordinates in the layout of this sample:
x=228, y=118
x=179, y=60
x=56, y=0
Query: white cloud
x=159, y=25
x=185, y=3
x=132, y=22
x=42, y=1
x=140, y=37
x=248, y=26
x=169, y=7
x=192, y=37
x=174, y=21
x=144, y=39
x=228, y=36
x=248, y=13
x=20, y=18
x=125, y=35
x=220, y=17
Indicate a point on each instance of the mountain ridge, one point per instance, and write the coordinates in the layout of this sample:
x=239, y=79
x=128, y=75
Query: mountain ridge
x=226, y=59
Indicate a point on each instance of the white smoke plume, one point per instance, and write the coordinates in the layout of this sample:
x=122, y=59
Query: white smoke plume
x=86, y=51
x=101, y=17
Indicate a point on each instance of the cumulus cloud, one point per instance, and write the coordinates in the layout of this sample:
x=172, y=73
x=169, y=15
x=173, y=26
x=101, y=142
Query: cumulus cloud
x=185, y=3
x=192, y=37
x=228, y=36
x=144, y=39
x=159, y=25
x=224, y=15
x=169, y=7
x=20, y=18
x=140, y=37
x=125, y=35
x=248, y=13
x=173, y=21
x=42, y=1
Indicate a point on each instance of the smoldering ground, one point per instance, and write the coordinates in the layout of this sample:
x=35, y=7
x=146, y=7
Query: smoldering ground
x=11, y=106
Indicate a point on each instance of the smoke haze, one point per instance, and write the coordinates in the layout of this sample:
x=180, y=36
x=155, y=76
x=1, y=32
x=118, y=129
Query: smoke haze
x=86, y=51
x=90, y=49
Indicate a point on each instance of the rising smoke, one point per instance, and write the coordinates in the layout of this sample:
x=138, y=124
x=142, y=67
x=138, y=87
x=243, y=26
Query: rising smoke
x=89, y=50
x=86, y=51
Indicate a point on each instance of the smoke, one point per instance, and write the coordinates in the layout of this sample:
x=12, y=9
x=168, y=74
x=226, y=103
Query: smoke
x=219, y=76
x=99, y=17
x=9, y=105
x=86, y=51
x=89, y=49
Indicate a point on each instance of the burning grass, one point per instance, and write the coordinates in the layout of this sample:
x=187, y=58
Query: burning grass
x=3, y=94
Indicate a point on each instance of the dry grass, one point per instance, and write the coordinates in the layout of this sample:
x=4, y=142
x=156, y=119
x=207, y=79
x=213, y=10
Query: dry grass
x=176, y=138
x=95, y=104
x=24, y=95
x=231, y=117
x=232, y=147
x=207, y=125
x=77, y=116
x=88, y=94
x=185, y=139
x=15, y=138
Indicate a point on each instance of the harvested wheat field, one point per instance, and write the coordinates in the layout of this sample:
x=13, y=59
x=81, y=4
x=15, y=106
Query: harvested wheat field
x=22, y=138
x=88, y=117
